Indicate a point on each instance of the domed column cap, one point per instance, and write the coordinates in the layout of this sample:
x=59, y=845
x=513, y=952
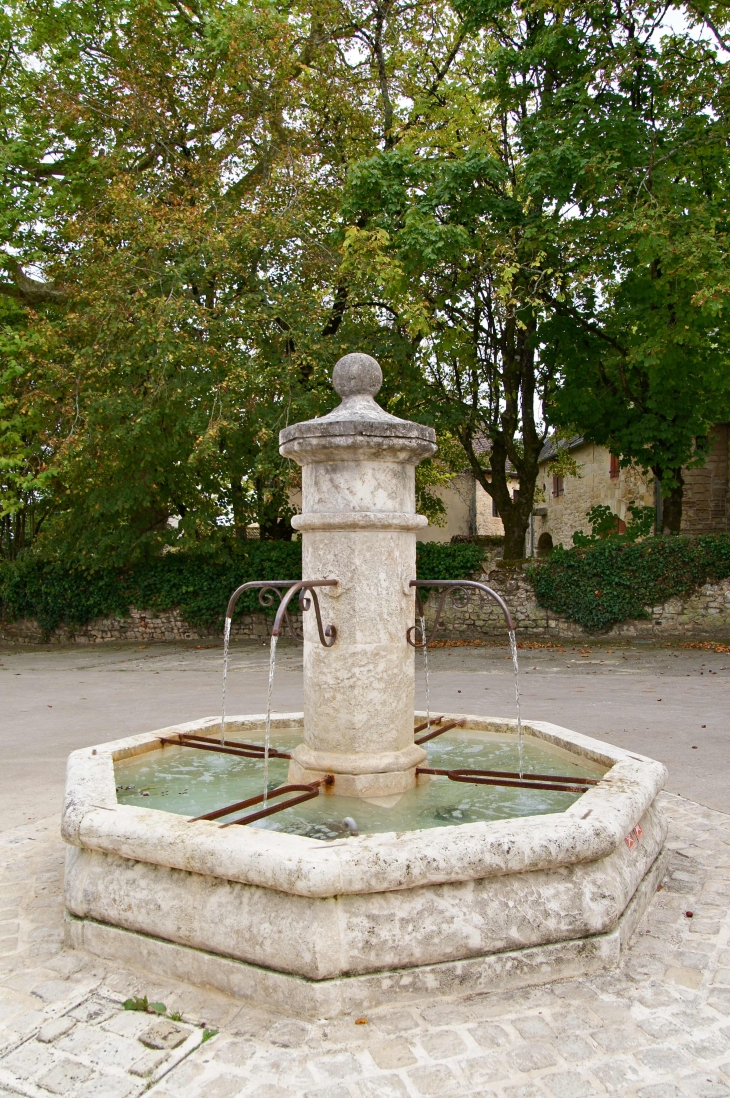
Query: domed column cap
x=358, y=423
x=357, y=375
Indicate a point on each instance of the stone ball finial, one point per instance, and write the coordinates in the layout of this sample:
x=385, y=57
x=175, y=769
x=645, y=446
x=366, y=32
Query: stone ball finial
x=357, y=375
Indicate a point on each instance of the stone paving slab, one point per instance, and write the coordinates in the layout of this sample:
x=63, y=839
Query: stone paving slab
x=658, y=1028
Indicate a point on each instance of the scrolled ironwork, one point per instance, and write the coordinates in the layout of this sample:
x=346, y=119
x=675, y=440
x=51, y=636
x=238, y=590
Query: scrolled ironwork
x=414, y=635
x=285, y=590
x=327, y=634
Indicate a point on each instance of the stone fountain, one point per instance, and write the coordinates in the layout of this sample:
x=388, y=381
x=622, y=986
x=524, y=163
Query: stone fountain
x=358, y=526
x=320, y=928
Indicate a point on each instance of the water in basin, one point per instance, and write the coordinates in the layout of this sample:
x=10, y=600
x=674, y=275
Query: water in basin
x=191, y=782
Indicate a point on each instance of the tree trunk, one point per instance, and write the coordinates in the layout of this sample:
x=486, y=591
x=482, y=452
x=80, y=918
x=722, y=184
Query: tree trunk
x=514, y=512
x=273, y=526
x=515, y=532
x=239, y=511
x=276, y=529
x=672, y=505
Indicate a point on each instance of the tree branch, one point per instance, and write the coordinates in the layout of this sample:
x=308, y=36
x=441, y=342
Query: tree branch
x=337, y=314
x=27, y=289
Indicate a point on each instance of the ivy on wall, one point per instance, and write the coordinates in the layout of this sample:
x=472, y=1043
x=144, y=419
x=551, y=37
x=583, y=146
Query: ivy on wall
x=53, y=592
x=615, y=580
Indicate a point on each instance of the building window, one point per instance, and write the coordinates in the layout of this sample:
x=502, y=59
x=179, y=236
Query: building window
x=515, y=494
x=495, y=512
x=615, y=467
x=558, y=486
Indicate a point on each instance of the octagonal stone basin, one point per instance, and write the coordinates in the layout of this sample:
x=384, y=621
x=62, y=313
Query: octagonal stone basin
x=191, y=782
x=318, y=928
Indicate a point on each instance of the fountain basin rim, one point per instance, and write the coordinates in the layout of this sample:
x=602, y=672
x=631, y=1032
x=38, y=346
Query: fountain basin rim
x=593, y=827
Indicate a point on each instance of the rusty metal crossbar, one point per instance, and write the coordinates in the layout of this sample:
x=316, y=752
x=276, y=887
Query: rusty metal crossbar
x=558, y=782
x=204, y=743
x=437, y=731
x=257, y=748
x=306, y=793
x=420, y=727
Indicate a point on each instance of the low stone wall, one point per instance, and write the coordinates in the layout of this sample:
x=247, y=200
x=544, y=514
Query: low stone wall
x=145, y=626
x=703, y=615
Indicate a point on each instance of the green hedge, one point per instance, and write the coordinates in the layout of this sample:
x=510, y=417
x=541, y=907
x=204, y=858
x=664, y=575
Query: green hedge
x=447, y=560
x=616, y=580
x=54, y=592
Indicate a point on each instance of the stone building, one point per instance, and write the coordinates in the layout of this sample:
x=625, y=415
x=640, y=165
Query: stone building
x=565, y=500
x=469, y=510
x=561, y=503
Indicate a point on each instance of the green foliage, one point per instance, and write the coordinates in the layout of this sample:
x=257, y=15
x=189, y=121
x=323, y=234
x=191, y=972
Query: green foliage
x=641, y=523
x=142, y=1004
x=564, y=463
x=53, y=591
x=640, y=332
x=614, y=579
x=438, y=472
x=170, y=253
x=447, y=560
x=604, y=524
x=204, y=205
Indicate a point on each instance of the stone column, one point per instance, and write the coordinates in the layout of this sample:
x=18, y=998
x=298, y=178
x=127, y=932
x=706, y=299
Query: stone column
x=358, y=526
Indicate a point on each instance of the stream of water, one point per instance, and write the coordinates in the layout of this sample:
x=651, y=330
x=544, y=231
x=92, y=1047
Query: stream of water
x=267, y=730
x=425, y=671
x=226, y=641
x=515, y=664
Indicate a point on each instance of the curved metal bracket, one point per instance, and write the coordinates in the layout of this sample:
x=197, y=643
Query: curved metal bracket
x=286, y=589
x=450, y=585
x=327, y=635
x=267, y=589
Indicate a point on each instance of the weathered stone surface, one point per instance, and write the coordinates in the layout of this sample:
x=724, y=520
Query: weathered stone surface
x=706, y=613
x=358, y=526
x=53, y=1030
x=380, y=902
x=163, y=1035
x=143, y=625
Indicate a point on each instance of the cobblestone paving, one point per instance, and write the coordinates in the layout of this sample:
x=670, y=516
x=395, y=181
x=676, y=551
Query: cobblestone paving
x=659, y=1028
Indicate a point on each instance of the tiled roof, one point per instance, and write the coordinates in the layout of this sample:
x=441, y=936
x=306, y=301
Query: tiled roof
x=551, y=447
